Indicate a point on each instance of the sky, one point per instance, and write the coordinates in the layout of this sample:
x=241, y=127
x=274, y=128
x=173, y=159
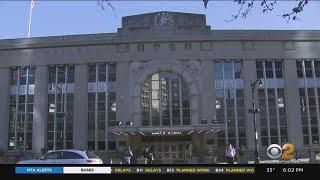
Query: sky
x=54, y=18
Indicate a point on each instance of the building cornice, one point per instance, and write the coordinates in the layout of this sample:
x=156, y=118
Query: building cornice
x=114, y=38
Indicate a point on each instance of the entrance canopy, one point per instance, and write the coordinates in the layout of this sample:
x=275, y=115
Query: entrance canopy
x=159, y=131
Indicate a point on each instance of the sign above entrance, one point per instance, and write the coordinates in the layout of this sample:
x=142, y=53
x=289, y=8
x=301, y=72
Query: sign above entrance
x=166, y=133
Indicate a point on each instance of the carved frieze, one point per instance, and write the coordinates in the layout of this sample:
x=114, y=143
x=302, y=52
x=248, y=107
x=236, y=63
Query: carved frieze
x=191, y=67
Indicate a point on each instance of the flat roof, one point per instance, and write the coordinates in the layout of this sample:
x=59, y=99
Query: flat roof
x=114, y=38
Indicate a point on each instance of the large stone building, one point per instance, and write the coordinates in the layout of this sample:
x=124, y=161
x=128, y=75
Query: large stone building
x=164, y=80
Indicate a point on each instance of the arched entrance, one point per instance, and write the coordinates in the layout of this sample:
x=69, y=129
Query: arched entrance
x=165, y=102
x=145, y=71
x=164, y=108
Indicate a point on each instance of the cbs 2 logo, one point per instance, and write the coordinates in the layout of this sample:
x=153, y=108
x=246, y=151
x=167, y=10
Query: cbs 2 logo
x=274, y=151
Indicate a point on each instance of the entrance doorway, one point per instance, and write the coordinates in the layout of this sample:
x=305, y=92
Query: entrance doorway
x=168, y=148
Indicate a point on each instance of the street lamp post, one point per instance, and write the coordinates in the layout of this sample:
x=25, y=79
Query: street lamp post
x=255, y=111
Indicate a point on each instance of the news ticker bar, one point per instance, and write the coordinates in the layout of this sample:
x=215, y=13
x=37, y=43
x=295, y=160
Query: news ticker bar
x=133, y=170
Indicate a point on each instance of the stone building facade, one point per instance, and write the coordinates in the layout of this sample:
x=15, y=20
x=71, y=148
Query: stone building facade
x=164, y=80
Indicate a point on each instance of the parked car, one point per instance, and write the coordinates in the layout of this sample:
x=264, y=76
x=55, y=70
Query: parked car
x=68, y=156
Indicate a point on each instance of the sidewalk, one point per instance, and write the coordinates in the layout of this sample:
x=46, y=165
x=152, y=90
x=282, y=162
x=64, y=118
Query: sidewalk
x=293, y=161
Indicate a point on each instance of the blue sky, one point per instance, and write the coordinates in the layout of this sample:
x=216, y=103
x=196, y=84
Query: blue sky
x=52, y=18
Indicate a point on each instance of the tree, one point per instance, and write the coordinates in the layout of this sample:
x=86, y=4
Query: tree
x=245, y=7
x=267, y=6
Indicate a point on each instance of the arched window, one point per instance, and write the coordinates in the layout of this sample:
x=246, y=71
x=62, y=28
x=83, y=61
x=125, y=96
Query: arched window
x=165, y=100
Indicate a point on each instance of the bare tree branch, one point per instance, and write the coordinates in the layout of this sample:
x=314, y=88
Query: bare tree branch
x=296, y=10
x=245, y=8
x=234, y=17
x=101, y=4
x=250, y=6
x=267, y=6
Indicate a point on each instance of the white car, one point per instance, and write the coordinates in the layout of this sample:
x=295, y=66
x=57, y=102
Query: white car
x=66, y=157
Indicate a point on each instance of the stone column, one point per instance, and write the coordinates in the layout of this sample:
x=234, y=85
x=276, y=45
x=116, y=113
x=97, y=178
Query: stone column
x=80, y=107
x=4, y=110
x=40, y=109
x=207, y=91
x=123, y=93
x=292, y=105
x=135, y=143
x=195, y=142
x=134, y=92
x=202, y=147
x=195, y=108
x=134, y=104
x=250, y=74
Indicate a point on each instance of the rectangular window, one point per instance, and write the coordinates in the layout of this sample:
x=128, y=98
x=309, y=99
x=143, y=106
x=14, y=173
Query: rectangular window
x=299, y=69
x=308, y=100
x=61, y=74
x=140, y=48
x=228, y=72
x=70, y=74
x=101, y=112
x=112, y=145
x=308, y=69
x=278, y=69
x=92, y=73
x=23, y=76
x=230, y=110
x=31, y=73
x=238, y=74
x=60, y=107
x=122, y=48
x=14, y=76
x=218, y=71
x=20, y=120
x=259, y=68
x=271, y=101
x=172, y=47
x=269, y=69
x=248, y=45
x=206, y=46
x=52, y=74
x=102, y=72
x=156, y=47
x=112, y=72
x=317, y=67
x=123, y=143
x=187, y=46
